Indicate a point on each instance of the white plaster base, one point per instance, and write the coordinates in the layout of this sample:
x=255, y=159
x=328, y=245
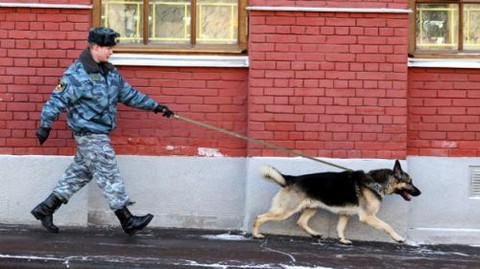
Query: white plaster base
x=223, y=193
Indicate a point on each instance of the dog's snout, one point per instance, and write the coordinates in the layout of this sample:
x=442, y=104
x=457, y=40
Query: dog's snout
x=415, y=191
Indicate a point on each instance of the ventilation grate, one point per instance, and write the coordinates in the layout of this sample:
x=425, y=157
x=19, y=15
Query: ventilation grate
x=475, y=181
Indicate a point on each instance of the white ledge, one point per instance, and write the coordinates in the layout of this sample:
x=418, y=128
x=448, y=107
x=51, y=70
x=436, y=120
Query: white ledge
x=179, y=60
x=37, y=5
x=444, y=63
x=329, y=9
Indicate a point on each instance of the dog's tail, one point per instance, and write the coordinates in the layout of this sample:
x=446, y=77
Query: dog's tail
x=273, y=175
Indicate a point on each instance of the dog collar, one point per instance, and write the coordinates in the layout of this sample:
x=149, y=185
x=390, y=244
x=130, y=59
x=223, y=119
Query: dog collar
x=375, y=188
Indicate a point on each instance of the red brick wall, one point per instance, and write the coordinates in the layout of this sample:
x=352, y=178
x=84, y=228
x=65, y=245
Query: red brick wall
x=36, y=45
x=215, y=96
x=326, y=84
x=444, y=112
x=329, y=84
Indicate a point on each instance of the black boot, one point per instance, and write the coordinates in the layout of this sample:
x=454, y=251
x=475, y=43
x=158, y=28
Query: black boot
x=132, y=224
x=44, y=212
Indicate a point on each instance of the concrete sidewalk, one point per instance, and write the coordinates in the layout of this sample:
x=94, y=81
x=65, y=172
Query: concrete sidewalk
x=33, y=247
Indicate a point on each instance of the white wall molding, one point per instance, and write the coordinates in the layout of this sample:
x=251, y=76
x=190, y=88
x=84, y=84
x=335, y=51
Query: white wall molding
x=120, y=59
x=329, y=9
x=45, y=6
x=444, y=63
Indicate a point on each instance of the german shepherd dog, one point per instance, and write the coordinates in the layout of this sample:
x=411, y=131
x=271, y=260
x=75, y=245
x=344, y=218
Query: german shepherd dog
x=343, y=193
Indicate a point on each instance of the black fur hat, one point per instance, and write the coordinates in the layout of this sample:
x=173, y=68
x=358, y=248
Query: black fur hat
x=103, y=36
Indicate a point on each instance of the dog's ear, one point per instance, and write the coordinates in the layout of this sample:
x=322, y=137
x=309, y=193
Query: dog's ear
x=397, y=168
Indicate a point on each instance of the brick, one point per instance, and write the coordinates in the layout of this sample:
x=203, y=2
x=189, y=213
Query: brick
x=310, y=21
x=463, y=153
x=452, y=110
x=461, y=136
x=20, y=124
x=465, y=119
x=263, y=47
x=434, y=152
x=339, y=22
x=19, y=53
x=338, y=39
x=25, y=71
x=280, y=21
x=451, y=127
x=436, y=119
x=263, y=29
x=371, y=58
x=53, y=53
x=22, y=44
x=466, y=102
x=6, y=62
x=279, y=74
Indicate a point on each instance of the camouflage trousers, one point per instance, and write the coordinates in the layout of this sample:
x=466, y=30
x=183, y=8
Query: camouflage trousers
x=95, y=159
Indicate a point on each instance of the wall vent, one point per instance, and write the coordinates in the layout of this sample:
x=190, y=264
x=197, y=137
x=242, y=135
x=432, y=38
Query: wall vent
x=475, y=182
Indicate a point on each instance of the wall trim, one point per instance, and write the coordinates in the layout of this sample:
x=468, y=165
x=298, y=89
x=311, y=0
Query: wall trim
x=444, y=63
x=329, y=9
x=37, y=5
x=127, y=59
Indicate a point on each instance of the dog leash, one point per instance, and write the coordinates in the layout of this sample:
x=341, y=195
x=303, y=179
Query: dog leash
x=258, y=141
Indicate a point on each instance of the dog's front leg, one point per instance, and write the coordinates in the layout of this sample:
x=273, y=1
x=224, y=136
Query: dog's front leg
x=302, y=222
x=377, y=223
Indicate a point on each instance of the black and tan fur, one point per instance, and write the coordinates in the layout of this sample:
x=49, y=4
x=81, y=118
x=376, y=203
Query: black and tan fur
x=344, y=193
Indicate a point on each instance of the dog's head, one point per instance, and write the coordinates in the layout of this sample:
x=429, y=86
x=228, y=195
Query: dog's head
x=401, y=183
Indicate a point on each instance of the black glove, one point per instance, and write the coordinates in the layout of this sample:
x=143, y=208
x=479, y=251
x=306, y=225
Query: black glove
x=42, y=134
x=163, y=109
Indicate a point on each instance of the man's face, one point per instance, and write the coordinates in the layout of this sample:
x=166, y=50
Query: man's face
x=101, y=54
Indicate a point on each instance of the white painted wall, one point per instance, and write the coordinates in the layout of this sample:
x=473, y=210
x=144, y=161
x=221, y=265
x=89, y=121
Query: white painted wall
x=227, y=193
x=444, y=213
x=27, y=180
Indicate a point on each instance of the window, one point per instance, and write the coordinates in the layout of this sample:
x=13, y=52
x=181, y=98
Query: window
x=206, y=26
x=474, y=182
x=445, y=28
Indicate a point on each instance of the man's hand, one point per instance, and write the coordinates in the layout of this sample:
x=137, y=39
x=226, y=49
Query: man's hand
x=42, y=134
x=166, y=112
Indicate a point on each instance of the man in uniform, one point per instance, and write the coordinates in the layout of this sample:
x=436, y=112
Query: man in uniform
x=89, y=92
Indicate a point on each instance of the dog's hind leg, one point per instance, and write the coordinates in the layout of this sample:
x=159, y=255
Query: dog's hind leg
x=303, y=222
x=284, y=205
x=341, y=226
x=269, y=216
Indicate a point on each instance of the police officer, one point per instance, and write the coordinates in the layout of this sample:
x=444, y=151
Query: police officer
x=89, y=92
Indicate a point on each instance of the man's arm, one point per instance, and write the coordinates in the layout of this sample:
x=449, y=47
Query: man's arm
x=133, y=98
x=51, y=110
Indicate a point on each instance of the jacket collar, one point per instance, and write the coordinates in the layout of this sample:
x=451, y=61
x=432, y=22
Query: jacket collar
x=93, y=67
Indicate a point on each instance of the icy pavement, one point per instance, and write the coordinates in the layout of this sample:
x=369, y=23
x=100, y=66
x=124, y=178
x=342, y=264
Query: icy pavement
x=32, y=247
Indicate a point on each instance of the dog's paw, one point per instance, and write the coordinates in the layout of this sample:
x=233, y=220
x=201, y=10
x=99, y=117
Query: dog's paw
x=317, y=236
x=400, y=240
x=258, y=236
x=345, y=241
